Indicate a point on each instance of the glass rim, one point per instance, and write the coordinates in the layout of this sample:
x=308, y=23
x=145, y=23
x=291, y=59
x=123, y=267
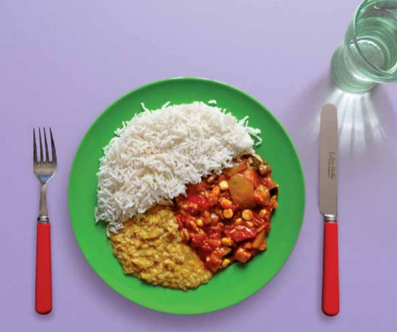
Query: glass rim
x=354, y=23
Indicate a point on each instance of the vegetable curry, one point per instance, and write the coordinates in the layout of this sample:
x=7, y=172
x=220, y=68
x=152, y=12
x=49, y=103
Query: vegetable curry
x=226, y=217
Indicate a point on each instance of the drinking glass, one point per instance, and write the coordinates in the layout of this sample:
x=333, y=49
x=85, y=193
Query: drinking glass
x=369, y=53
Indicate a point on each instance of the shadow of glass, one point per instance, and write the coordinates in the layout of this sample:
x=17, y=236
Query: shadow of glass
x=367, y=123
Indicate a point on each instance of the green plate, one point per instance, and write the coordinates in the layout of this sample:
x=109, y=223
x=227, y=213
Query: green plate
x=237, y=282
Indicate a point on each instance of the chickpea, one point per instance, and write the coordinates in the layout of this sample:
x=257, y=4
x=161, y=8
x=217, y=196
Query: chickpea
x=228, y=213
x=247, y=215
x=200, y=223
x=227, y=242
x=223, y=185
x=238, y=220
x=225, y=203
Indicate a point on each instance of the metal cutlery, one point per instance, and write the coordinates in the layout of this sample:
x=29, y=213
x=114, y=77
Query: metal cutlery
x=329, y=207
x=44, y=169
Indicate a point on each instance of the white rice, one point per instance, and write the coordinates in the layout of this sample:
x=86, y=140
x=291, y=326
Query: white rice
x=153, y=157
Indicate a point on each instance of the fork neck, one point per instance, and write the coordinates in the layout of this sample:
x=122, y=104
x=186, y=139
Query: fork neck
x=43, y=213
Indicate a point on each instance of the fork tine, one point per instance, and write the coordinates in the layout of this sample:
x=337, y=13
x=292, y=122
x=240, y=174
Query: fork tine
x=54, y=152
x=41, y=147
x=34, y=147
x=47, y=158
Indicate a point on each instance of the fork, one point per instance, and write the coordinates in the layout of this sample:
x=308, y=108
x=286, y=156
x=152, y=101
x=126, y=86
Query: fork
x=44, y=169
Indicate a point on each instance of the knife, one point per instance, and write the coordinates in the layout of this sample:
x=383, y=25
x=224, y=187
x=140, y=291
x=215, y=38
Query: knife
x=329, y=207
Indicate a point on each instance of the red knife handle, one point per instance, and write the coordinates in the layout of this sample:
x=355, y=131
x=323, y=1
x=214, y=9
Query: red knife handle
x=43, y=269
x=330, y=269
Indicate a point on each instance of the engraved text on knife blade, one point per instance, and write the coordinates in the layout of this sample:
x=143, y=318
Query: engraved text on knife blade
x=332, y=165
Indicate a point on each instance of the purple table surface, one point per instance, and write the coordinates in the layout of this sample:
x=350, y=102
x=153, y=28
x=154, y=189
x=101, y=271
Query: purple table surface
x=63, y=62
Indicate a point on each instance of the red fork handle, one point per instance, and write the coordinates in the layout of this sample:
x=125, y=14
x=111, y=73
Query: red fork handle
x=330, y=270
x=43, y=269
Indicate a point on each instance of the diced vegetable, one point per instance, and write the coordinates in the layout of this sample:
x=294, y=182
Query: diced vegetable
x=263, y=245
x=235, y=169
x=247, y=245
x=239, y=235
x=242, y=255
x=264, y=169
x=223, y=251
x=213, y=196
x=258, y=240
x=213, y=262
x=214, y=243
x=197, y=239
x=251, y=175
x=262, y=196
x=242, y=191
x=200, y=201
x=271, y=184
x=196, y=188
x=255, y=161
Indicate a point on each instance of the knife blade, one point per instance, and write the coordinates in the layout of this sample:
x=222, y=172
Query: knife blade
x=329, y=161
x=329, y=207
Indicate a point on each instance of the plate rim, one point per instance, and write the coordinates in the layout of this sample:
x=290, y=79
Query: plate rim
x=126, y=95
